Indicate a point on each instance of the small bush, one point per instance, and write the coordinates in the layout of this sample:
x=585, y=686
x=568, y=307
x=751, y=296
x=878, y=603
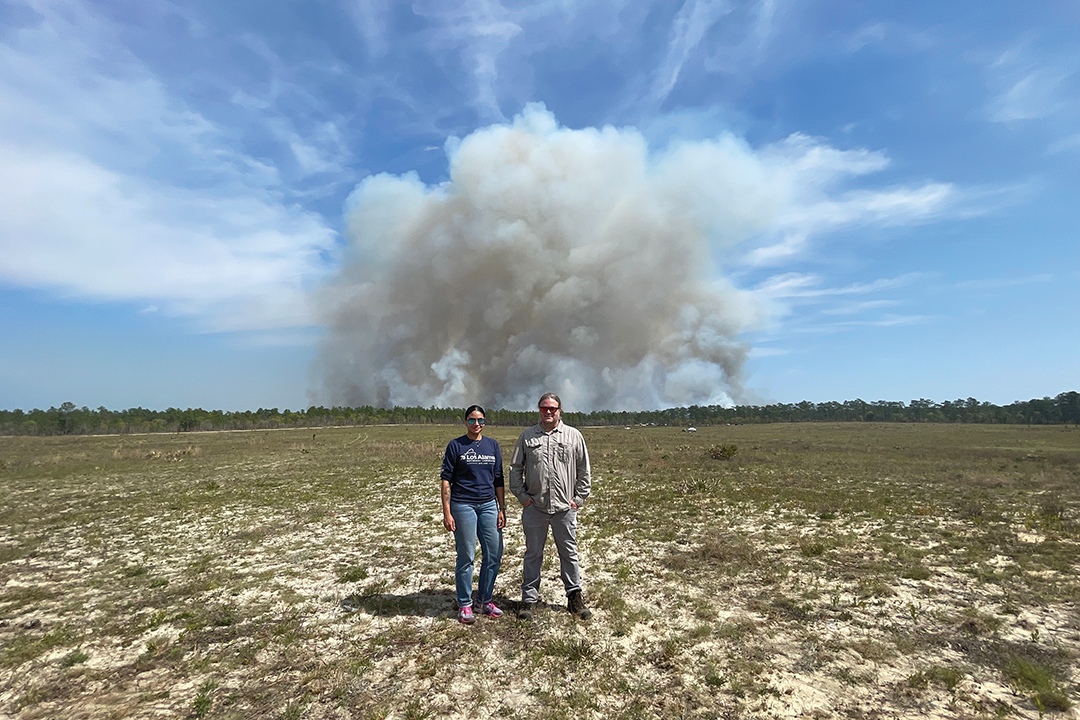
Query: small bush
x=782, y=608
x=812, y=547
x=1053, y=508
x=202, y=703
x=352, y=574
x=979, y=624
x=666, y=655
x=74, y=658
x=972, y=510
x=1040, y=680
x=573, y=649
x=224, y=616
x=722, y=452
x=295, y=711
x=915, y=572
x=940, y=675
x=736, y=627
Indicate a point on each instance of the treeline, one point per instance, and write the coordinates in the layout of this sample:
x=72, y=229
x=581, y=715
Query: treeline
x=71, y=420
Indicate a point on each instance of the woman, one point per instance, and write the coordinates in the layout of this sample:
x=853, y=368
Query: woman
x=474, y=505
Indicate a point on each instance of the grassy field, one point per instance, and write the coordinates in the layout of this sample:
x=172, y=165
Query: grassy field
x=811, y=570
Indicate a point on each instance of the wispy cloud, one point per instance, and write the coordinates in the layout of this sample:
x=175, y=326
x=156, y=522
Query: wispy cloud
x=117, y=189
x=860, y=307
x=887, y=321
x=869, y=34
x=892, y=206
x=762, y=351
x=803, y=286
x=372, y=20
x=476, y=59
x=1069, y=143
x=1028, y=85
x=73, y=226
x=757, y=38
x=1002, y=283
x=687, y=31
x=287, y=114
x=802, y=303
x=791, y=244
x=1035, y=95
x=482, y=30
x=807, y=176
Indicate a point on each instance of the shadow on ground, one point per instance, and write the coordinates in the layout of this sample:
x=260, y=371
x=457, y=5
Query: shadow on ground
x=429, y=603
x=422, y=602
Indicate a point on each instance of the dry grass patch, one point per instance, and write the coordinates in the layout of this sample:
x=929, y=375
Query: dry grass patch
x=823, y=571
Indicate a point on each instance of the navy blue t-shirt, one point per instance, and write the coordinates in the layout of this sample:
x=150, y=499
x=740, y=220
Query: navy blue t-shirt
x=474, y=469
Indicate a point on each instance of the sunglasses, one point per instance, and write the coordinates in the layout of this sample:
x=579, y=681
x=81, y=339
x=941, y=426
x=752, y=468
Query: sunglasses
x=549, y=409
x=475, y=421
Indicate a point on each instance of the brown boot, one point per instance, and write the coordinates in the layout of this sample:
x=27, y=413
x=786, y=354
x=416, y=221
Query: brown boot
x=576, y=605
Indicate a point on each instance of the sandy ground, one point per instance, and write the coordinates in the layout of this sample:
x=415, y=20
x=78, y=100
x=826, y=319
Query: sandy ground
x=251, y=610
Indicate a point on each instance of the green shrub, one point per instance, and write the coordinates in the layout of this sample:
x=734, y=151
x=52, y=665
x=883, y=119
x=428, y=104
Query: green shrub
x=722, y=452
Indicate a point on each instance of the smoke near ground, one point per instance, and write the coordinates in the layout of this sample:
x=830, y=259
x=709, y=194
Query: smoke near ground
x=572, y=261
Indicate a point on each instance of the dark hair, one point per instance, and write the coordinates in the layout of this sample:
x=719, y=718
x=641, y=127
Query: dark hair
x=471, y=410
x=549, y=396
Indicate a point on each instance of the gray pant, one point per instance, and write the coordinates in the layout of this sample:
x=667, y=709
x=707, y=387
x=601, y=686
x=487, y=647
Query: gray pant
x=535, y=524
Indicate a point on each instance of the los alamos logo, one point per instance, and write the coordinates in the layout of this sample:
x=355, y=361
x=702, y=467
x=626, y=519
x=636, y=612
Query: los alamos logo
x=472, y=457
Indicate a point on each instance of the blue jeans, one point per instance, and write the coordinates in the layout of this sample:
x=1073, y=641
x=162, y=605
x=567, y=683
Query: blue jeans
x=473, y=520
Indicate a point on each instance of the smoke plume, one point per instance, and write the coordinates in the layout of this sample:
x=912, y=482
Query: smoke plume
x=553, y=259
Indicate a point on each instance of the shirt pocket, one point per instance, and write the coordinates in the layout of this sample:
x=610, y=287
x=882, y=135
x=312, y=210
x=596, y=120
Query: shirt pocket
x=563, y=453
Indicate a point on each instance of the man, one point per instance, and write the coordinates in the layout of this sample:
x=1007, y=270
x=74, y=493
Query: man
x=549, y=475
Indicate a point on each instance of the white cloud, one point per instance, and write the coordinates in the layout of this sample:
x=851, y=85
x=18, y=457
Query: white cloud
x=1028, y=86
x=321, y=150
x=869, y=34
x=783, y=294
x=761, y=351
x=309, y=128
x=1035, y=95
x=1001, y=283
x=784, y=196
x=372, y=19
x=112, y=188
x=688, y=29
x=791, y=244
x=798, y=285
x=1069, y=143
x=805, y=176
x=884, y=322
x=888, y=207
x=483, y=30
x=860, y=307
x=74, y=226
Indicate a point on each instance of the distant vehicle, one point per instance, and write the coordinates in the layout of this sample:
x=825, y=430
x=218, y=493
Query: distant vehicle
x=690, y=429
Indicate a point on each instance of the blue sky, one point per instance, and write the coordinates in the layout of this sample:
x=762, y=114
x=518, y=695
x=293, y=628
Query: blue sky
x=174, y=176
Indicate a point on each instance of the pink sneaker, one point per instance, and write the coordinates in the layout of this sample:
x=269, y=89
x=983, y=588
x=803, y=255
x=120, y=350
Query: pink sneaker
x=491, y=609
x=465, y=615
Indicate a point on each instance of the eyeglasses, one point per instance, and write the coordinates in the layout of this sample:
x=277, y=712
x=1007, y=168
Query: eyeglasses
x=475, y=421
x=549, y=409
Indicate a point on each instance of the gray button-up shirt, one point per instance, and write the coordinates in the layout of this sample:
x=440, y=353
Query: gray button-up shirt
x=552, y=468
